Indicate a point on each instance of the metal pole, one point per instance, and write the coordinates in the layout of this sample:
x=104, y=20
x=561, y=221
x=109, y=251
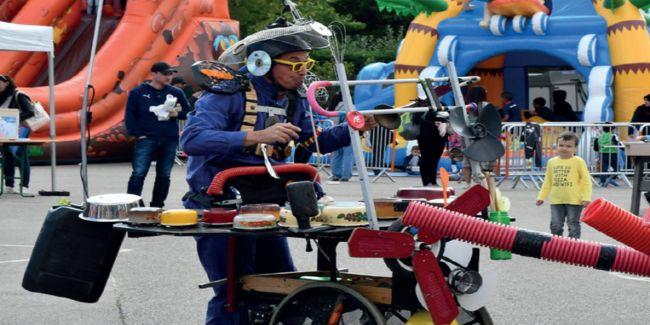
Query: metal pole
x=50, y=72
x=84, y=107
x=355, y=142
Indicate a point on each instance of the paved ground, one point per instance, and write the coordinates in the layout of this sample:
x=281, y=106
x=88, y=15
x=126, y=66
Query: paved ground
x=154, y=280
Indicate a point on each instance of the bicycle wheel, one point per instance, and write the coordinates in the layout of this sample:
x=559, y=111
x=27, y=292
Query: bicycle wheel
x=315, y=303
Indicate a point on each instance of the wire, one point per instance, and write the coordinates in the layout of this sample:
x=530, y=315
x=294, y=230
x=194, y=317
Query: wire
x=338, y=41
x=84, y=178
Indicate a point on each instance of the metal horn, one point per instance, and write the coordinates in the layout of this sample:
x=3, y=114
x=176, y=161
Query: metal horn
x=392, y=120
x=389, y=121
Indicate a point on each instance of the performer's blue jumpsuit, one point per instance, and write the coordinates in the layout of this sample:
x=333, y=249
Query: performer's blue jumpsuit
x=214, y=142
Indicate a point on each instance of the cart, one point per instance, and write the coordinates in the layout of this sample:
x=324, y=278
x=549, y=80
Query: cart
x=321, y=295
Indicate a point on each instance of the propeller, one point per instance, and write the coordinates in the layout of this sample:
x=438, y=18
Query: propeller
x=436, y=293
x=483, y=133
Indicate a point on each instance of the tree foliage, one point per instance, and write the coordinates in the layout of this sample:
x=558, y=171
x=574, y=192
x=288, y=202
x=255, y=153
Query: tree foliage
x=372, y=35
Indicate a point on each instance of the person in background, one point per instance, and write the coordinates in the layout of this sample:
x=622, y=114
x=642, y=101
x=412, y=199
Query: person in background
x=431, y=142
x=342, y=158
x=568, y=186
x=412, y=161
x=561, y=108
x=641, y=114
x=181, y=84
x=510, y=111
x=540, y=109
x=607, y=145
x=13, y=156
x=156, y=139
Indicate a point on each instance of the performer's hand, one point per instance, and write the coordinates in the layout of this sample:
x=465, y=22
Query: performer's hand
x=370, y=123
x=585, y=203
x=539, y=202
x=279, y=132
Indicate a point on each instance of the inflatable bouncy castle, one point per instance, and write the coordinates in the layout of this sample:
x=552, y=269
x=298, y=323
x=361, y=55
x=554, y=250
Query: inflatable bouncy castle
x=130, y=40
x=606, y=42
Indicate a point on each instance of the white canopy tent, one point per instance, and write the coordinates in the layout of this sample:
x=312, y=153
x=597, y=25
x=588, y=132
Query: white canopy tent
x=17, y=37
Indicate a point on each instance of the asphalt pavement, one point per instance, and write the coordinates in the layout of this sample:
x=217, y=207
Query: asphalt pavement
x=154, y=279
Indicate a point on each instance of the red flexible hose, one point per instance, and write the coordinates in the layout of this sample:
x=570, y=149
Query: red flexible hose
x=525, y=242
x=219, y=180
x=618, y=223
x=453, y=224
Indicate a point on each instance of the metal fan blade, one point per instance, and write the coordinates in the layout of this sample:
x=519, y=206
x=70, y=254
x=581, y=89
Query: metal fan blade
x=485, y=149
x=490, y=118
x=457, y=120
x=437, y=295
x=375, y=243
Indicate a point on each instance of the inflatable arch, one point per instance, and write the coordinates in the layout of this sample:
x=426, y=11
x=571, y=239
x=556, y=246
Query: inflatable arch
x=593, y=40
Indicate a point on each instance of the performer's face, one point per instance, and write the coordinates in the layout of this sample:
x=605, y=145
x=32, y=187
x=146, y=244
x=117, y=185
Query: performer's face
x=285, y=75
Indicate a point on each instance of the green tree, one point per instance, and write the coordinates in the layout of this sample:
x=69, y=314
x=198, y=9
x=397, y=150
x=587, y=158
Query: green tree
x=371, y=35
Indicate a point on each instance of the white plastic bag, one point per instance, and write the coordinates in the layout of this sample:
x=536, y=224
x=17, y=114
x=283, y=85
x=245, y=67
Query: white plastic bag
x=40, y=119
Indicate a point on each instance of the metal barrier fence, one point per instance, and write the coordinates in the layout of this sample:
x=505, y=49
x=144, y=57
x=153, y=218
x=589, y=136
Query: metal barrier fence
x=530, y=145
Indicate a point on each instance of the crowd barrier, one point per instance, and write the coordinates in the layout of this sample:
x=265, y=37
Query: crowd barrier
x=530, y=145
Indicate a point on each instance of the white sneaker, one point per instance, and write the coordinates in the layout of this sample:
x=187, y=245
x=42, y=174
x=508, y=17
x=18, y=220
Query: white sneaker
x=10, y=190
x=26, y=192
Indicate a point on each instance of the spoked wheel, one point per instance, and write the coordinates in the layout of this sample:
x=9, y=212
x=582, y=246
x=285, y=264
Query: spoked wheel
x=320, y=303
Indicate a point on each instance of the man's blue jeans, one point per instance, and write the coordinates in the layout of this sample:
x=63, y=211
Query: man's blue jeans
x=342, y=161
x=147, y=150
x=257, y=255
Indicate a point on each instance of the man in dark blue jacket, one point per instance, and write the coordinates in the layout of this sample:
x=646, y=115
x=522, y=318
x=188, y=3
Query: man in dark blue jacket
x=215, y=140
x=156, y=130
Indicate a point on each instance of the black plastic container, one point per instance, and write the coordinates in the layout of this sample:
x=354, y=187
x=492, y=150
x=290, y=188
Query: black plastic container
x=72, y=258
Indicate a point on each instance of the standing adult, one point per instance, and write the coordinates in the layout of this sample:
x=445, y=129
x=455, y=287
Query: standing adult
x=641, y=114
x=342, y=158
x=216, y=139
x=14, y=156
x=156, y=133
x=510, y=111
x=431, y=141
x=561, y=108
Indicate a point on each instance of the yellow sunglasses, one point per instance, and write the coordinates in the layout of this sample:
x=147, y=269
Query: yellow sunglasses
x=298, y=66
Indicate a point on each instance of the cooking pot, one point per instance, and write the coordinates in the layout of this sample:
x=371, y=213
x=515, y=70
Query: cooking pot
x=110, y=207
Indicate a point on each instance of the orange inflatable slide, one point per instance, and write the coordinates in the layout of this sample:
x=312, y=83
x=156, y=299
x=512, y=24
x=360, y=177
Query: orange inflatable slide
x=177, y=31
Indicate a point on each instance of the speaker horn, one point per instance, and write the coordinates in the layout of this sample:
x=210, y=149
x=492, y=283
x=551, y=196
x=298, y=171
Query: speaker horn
x=389, y=121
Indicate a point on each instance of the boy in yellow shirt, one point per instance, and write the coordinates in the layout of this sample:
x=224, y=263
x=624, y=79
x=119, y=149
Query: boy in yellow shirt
x=568, y=186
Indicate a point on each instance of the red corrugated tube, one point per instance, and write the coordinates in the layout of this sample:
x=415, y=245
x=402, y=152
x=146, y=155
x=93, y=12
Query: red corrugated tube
x=618, y=223
x=525, y=242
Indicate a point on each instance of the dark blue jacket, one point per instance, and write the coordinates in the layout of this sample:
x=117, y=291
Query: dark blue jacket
x=140, y=121
x=214, y=142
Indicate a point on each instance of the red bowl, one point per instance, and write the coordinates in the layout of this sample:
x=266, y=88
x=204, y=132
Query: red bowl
x=219, y=215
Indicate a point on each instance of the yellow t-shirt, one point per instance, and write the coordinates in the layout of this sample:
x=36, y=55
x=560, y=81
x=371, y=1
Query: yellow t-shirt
x=567, y=181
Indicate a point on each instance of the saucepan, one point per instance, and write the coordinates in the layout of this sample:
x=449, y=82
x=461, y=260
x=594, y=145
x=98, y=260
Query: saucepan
x=110, y=207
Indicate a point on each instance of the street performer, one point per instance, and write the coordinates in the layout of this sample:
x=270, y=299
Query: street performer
x=216, y=138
